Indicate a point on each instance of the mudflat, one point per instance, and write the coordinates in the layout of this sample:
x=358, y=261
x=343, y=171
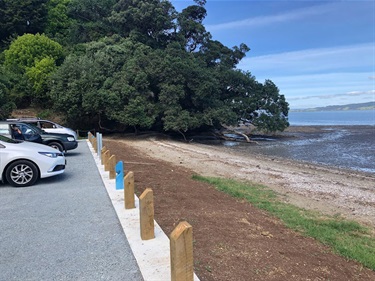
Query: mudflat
x=234, y=240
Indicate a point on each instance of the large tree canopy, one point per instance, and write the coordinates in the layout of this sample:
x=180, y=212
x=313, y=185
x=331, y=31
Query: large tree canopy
x=6, y=106
x=140, y=87
x=89, y=19
x=28, y=49
x=136, y=64
x=32, y=59
x=151, y=20
x=19, y=17
x=58, y=22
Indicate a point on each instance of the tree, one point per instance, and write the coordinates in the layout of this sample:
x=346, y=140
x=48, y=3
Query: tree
x=6, y=106
x=58, y=21
x=161, y=71
x=27, y=49
x=31, y=59
x=80, y=86
x=39, y=76
x=89, y=20
x=191, y=30
x=259, y=104
x=273, y=110
x=150, y=20
x=20, y=17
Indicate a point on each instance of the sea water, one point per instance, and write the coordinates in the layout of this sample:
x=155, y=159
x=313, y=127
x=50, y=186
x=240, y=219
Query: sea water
x=348, y=117
x=345, y=140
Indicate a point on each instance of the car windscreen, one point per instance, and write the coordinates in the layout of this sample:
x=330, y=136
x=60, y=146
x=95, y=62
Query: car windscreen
x=37, y=129
x=8, y=140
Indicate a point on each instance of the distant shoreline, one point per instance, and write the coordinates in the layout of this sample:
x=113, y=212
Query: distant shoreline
x=346, y=107
x=332, y=118
x=328, y=110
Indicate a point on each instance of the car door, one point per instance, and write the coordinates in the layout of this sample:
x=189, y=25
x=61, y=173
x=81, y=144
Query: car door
x=29, y=133
x=2, y=147
x=5, y=130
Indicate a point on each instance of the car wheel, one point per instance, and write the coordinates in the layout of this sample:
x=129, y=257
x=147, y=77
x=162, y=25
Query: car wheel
x=56, y=145
x=22, y=173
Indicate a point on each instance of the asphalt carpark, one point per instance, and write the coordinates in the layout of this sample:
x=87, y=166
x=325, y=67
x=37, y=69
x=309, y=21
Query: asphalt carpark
x=64, y=228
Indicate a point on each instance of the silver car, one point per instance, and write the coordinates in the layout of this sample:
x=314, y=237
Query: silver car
x=46, y=125
x=23, y=163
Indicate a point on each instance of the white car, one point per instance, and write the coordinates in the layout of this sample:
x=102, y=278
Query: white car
x=23, y=163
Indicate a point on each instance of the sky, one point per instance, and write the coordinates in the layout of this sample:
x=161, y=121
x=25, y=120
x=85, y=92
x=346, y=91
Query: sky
x=318, y=53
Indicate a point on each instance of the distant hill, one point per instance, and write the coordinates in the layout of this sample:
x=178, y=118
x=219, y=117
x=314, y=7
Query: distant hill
x=353, y=106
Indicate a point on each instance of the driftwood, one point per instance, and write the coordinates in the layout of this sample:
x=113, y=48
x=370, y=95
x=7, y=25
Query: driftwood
x=247, y=138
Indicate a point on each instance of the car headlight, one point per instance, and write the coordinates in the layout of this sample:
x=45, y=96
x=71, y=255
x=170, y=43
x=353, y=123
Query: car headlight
x=52, y=154
x=71, y=138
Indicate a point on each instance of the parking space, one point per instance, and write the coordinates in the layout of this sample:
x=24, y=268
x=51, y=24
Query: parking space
x=64, y=228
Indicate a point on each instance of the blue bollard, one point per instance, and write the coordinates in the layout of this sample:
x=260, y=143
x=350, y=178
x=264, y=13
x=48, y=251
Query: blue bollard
x=119, y=175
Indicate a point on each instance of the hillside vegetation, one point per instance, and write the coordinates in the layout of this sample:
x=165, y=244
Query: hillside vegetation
x=128, y=65
x=352, y=106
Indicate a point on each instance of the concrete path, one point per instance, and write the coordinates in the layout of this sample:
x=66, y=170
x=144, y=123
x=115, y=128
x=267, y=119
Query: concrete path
x=64, y=228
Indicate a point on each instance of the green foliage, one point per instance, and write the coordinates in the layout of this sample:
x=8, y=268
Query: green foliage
x=89, y=20
x=6, y=106
x=39, y=75
x=348, y=238
x=151, y=20
x=140, y=64
x=191, y=30
x=28, y=49
x=20, y=90
x=272, y=109
x=58, y=22
x=30, y=60
x=20, y=17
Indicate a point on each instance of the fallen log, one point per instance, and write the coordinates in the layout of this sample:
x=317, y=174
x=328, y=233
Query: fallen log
x=246, y=137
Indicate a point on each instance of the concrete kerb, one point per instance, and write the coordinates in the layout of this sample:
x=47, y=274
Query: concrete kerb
x=153, y=256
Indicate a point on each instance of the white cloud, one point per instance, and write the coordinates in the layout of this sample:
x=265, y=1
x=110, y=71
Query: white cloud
x=272, y=19
x=361, y=93
x=312, y=60
x=303, y=91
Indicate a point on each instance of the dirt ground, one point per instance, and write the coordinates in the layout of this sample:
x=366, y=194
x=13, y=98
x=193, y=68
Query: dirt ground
x=232, y=239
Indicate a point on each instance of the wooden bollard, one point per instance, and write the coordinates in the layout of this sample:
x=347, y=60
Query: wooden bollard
x=104, y=149
x=146, y=214
x=89, y=136
x=112, y=167
x=106, y=156
x=95, y=144
x=181, y=247
x=129, y=191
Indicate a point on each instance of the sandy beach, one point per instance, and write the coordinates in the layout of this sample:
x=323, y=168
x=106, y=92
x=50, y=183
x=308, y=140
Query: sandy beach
x=334, y=191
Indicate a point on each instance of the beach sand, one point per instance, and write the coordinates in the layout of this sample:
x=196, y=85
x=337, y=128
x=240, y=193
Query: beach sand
x=331, y=190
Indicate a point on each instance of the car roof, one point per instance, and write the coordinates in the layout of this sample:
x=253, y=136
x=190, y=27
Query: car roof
x=12, y=122
x=24, y=118
x=29, y=119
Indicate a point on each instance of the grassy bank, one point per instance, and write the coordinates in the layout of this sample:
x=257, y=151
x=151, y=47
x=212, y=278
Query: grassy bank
x=347, y=238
